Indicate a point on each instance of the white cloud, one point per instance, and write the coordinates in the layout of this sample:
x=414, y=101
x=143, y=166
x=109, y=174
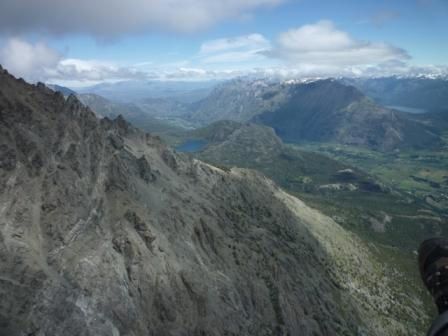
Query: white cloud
x=30, y=61
x=199, y=74
x=321, y=47
x=39, y=62
x=235, y=49
x=92, y=70
x=335, y=54
x=322, y=36
x=405, y=69
x=109, y=18
x=252, y=41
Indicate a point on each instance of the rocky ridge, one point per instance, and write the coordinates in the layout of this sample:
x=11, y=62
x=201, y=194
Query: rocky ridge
x=106, y=231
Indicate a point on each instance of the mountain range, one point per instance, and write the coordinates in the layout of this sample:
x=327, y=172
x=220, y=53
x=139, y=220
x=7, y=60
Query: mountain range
x=346, y=111
x=426, y=94
x=136, y=90
x=104, y=230
x=319, y=111
x=356, y=199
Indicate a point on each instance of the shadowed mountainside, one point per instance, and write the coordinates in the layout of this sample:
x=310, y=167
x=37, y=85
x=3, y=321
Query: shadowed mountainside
x=330, y=111
x=429, y=94
x=322, y=110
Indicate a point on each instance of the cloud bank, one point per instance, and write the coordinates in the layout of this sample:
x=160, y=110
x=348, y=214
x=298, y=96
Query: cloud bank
x=39, y=62
x=30, y=61
x=111, y=18
x=314, y=50
x=321, y=47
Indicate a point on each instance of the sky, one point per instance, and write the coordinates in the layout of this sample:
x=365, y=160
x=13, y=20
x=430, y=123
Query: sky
x=85, y=42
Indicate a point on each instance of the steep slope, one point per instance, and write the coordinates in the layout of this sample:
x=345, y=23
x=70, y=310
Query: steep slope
x=258, y=147
x=427, y=94
x=329, y=111
x=106, y=231
x=164, y=107
x=62, y=89
x=132, y=113
x=106, y=108
x=215, y=132
x=150, y=108
x=247, y=146
x=437, y=120
x=384, y=208
x=238, y=100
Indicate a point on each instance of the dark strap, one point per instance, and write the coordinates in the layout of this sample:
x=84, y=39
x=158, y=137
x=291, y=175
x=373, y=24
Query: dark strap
x=440, y=326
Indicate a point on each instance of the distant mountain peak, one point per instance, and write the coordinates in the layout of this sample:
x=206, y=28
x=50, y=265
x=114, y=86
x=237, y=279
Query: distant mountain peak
x=326, y=109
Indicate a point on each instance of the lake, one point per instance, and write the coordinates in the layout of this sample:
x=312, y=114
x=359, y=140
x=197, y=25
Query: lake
x=191, y=146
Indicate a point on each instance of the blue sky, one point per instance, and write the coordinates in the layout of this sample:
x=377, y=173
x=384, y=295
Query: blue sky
x=86, y=42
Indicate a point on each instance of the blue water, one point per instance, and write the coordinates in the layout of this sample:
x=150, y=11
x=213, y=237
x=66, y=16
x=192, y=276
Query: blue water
x=191, y=146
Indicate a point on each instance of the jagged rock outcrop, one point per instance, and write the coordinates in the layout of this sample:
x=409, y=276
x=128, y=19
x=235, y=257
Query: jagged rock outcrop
x=106, y=231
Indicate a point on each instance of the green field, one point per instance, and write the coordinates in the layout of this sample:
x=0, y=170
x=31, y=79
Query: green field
x=423, y=174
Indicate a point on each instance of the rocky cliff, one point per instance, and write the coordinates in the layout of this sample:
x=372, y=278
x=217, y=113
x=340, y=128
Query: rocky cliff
x=106, y=231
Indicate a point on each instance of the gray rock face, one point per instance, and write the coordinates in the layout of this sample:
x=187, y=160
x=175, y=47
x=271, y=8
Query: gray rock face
x=105, y=231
